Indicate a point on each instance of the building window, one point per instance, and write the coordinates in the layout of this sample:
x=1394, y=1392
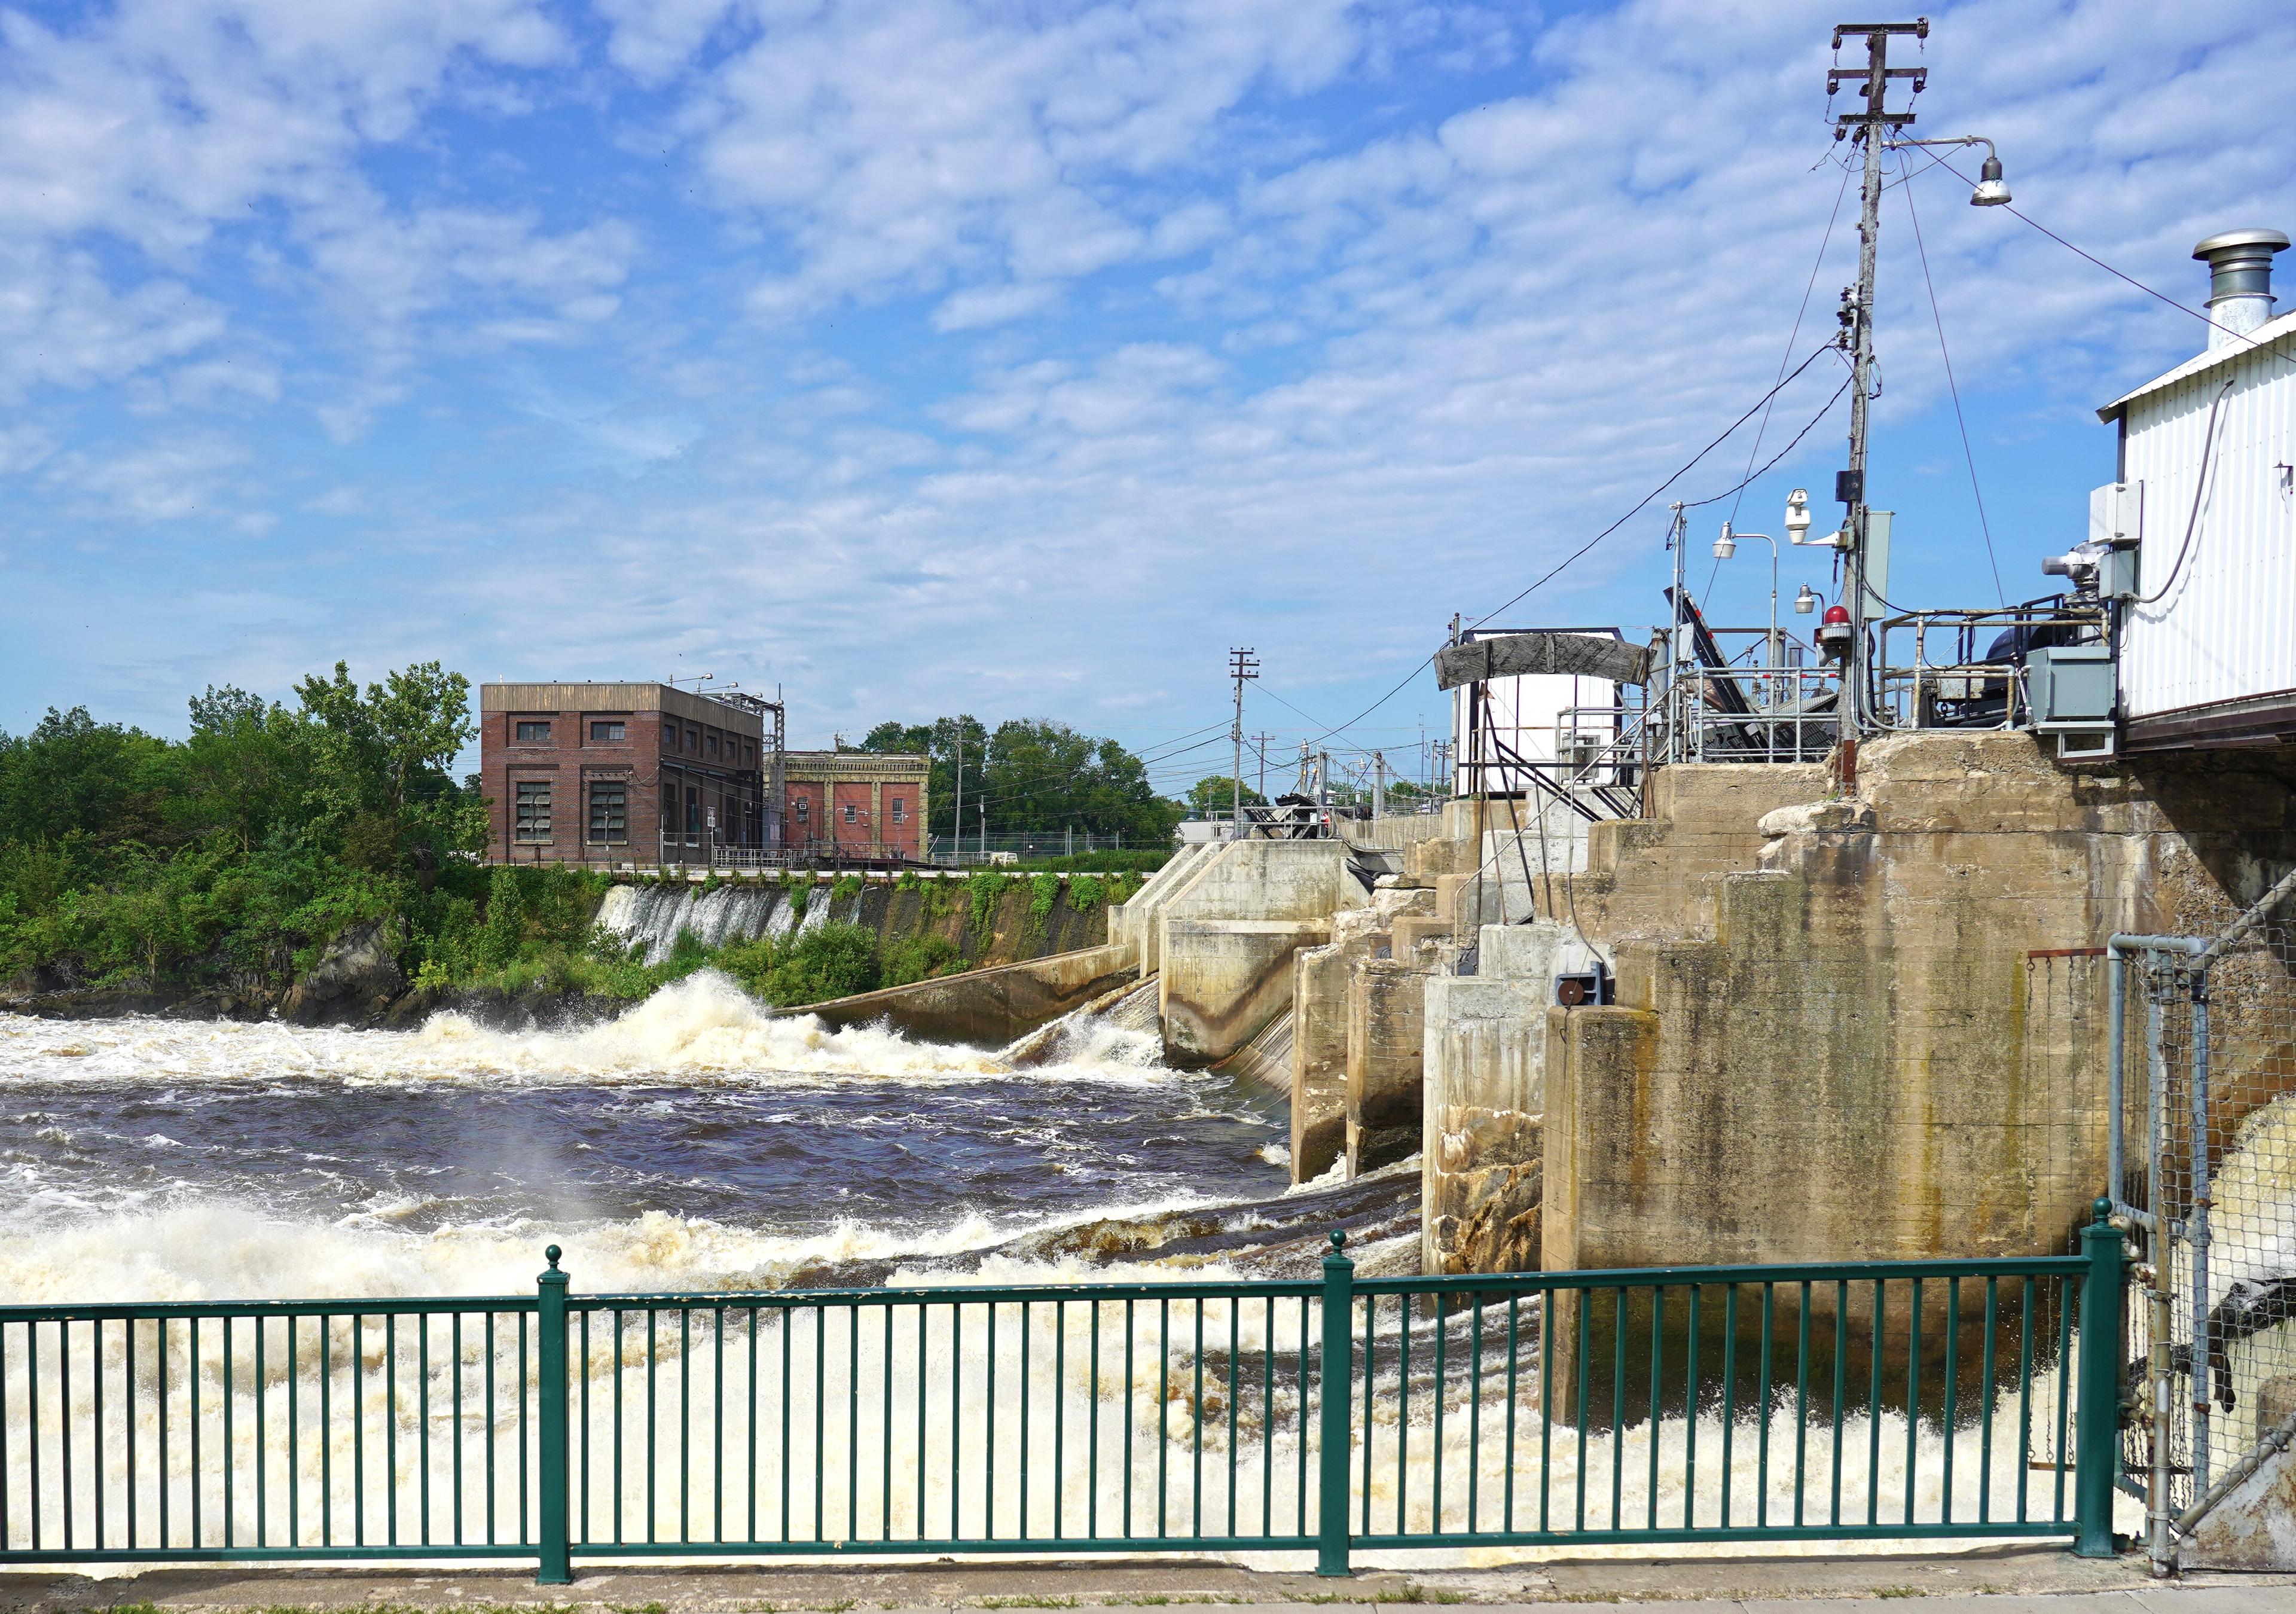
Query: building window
x=900, y=810
x=710, y=745
x=693, y=810
x=609, y=815
x=693, y=741
x=607, y=729
x=852, y=813
x=533, y=819
x=533, y=733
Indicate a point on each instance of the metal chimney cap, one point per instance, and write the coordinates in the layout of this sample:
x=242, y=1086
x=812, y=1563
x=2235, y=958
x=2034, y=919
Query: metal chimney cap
x=2272, y=241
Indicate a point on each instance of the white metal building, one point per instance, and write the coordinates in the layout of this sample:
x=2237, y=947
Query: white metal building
x=2207, y=490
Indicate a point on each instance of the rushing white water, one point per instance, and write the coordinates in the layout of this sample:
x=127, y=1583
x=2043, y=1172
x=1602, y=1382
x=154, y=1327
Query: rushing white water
x=739, y=911
x=697, y=1146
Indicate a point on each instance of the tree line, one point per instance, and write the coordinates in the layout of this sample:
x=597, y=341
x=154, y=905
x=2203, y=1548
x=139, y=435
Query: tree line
x=1031, y=775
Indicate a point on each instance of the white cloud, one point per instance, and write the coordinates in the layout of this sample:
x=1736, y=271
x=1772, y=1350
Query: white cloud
x=923, y=143
x=1100, y=331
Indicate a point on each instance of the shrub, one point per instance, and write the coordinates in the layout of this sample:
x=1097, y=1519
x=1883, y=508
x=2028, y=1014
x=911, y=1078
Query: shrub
x=916, y=958
x=985, y=892
x=1044, y=892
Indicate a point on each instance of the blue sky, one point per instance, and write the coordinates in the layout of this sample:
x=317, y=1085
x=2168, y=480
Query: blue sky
x=917, y=355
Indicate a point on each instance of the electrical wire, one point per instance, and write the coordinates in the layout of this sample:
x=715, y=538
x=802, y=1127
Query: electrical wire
x=1953, y=388
x=1824, y=240
x=1771, y=464
x=2011, y=210
x=2199, y=487
x=1638, y=508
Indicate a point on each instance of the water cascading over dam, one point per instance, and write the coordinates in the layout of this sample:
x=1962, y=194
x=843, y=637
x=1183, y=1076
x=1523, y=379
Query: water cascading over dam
x=653, y=916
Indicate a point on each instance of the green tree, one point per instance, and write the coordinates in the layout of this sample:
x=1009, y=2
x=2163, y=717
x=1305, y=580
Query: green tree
x=937, y=741
x=1214, y=796
x=246, y=767
x=73, y=776
x=1044, y=775
x=381, y=762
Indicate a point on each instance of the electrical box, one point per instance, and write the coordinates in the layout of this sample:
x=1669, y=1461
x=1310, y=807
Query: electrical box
x=2116, y=513
x=2071, y=691
x=2116, y=522
x=2116, y=574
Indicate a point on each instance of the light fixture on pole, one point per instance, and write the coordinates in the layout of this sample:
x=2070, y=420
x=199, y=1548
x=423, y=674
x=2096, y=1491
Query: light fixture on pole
x=1805, y=602
x=1725, y=547
x=1992, y=191
x=1798, y=516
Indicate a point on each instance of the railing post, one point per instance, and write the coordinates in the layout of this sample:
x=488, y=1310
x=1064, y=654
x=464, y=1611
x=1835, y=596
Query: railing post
x=2096, y=1442
x=550, y=1372
x=1336, y=1381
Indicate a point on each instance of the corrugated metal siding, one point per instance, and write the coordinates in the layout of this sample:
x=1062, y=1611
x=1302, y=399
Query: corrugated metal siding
x=2226, y=629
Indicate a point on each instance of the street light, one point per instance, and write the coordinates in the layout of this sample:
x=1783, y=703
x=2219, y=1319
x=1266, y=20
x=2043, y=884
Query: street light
x=1991, y=190
x=1805, y=602
x=1726, y=545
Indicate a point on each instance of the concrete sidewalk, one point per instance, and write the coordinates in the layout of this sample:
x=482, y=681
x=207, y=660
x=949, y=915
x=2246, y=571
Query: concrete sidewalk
x=2004, y=1580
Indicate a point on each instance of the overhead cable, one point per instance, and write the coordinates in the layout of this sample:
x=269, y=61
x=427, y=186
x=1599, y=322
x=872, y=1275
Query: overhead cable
x=2010, y=209
x=1638, y=508
x=1968, y=455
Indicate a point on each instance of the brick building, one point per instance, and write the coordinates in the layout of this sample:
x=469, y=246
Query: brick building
x=859, y=805
x=622, y=773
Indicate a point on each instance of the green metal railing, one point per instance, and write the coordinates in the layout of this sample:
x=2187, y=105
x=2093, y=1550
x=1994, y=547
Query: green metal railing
x=1872, y=1400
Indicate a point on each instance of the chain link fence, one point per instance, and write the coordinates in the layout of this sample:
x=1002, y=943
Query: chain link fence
x=2204, y=1150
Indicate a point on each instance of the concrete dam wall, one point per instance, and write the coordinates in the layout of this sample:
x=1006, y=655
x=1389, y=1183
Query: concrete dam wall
x=991, y=919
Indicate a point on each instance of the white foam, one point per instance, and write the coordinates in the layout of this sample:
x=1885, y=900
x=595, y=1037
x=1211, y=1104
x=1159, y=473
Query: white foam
x=699, y=1031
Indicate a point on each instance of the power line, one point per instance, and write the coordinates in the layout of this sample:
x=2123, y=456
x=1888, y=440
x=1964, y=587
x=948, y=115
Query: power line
x=1787, y=357
x=1636, y=510
x=1967, y=454
x=2080, y=252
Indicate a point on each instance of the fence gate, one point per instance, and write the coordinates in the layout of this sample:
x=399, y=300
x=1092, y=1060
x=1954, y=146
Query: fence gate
x=2204, y=1167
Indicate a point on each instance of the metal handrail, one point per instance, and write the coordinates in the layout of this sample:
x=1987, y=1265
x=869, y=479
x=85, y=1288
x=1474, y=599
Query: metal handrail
x=834, y=1421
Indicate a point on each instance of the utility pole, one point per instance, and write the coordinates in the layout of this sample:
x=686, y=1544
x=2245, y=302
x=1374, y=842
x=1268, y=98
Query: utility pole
x=1377, y=785
x=956, y=824
x=1872, y=128
x=1241, y=666
x=1261, y=743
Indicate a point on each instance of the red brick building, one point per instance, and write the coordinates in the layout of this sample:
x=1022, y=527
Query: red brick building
x=622, y=773
x=856, y=805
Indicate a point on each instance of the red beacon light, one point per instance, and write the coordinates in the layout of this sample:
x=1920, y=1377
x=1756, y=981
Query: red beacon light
x=1833, y=633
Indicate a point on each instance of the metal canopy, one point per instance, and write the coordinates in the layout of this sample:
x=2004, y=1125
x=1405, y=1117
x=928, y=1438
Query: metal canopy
x=1514, y=655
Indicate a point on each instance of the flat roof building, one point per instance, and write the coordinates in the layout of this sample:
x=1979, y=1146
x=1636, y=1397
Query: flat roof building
x=844, y=805
x=622, y=773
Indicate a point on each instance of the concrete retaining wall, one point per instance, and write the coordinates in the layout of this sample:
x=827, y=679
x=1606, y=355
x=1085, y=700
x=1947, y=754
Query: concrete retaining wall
x=1386, y=1034
x=1224, y=979
x=1481, y=1153
x=987, y=1008
x=1222, y=941
x=1881, y=1047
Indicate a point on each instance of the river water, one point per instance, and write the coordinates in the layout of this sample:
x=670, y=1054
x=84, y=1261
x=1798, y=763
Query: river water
x=694, y=1143
x=698, y=1145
